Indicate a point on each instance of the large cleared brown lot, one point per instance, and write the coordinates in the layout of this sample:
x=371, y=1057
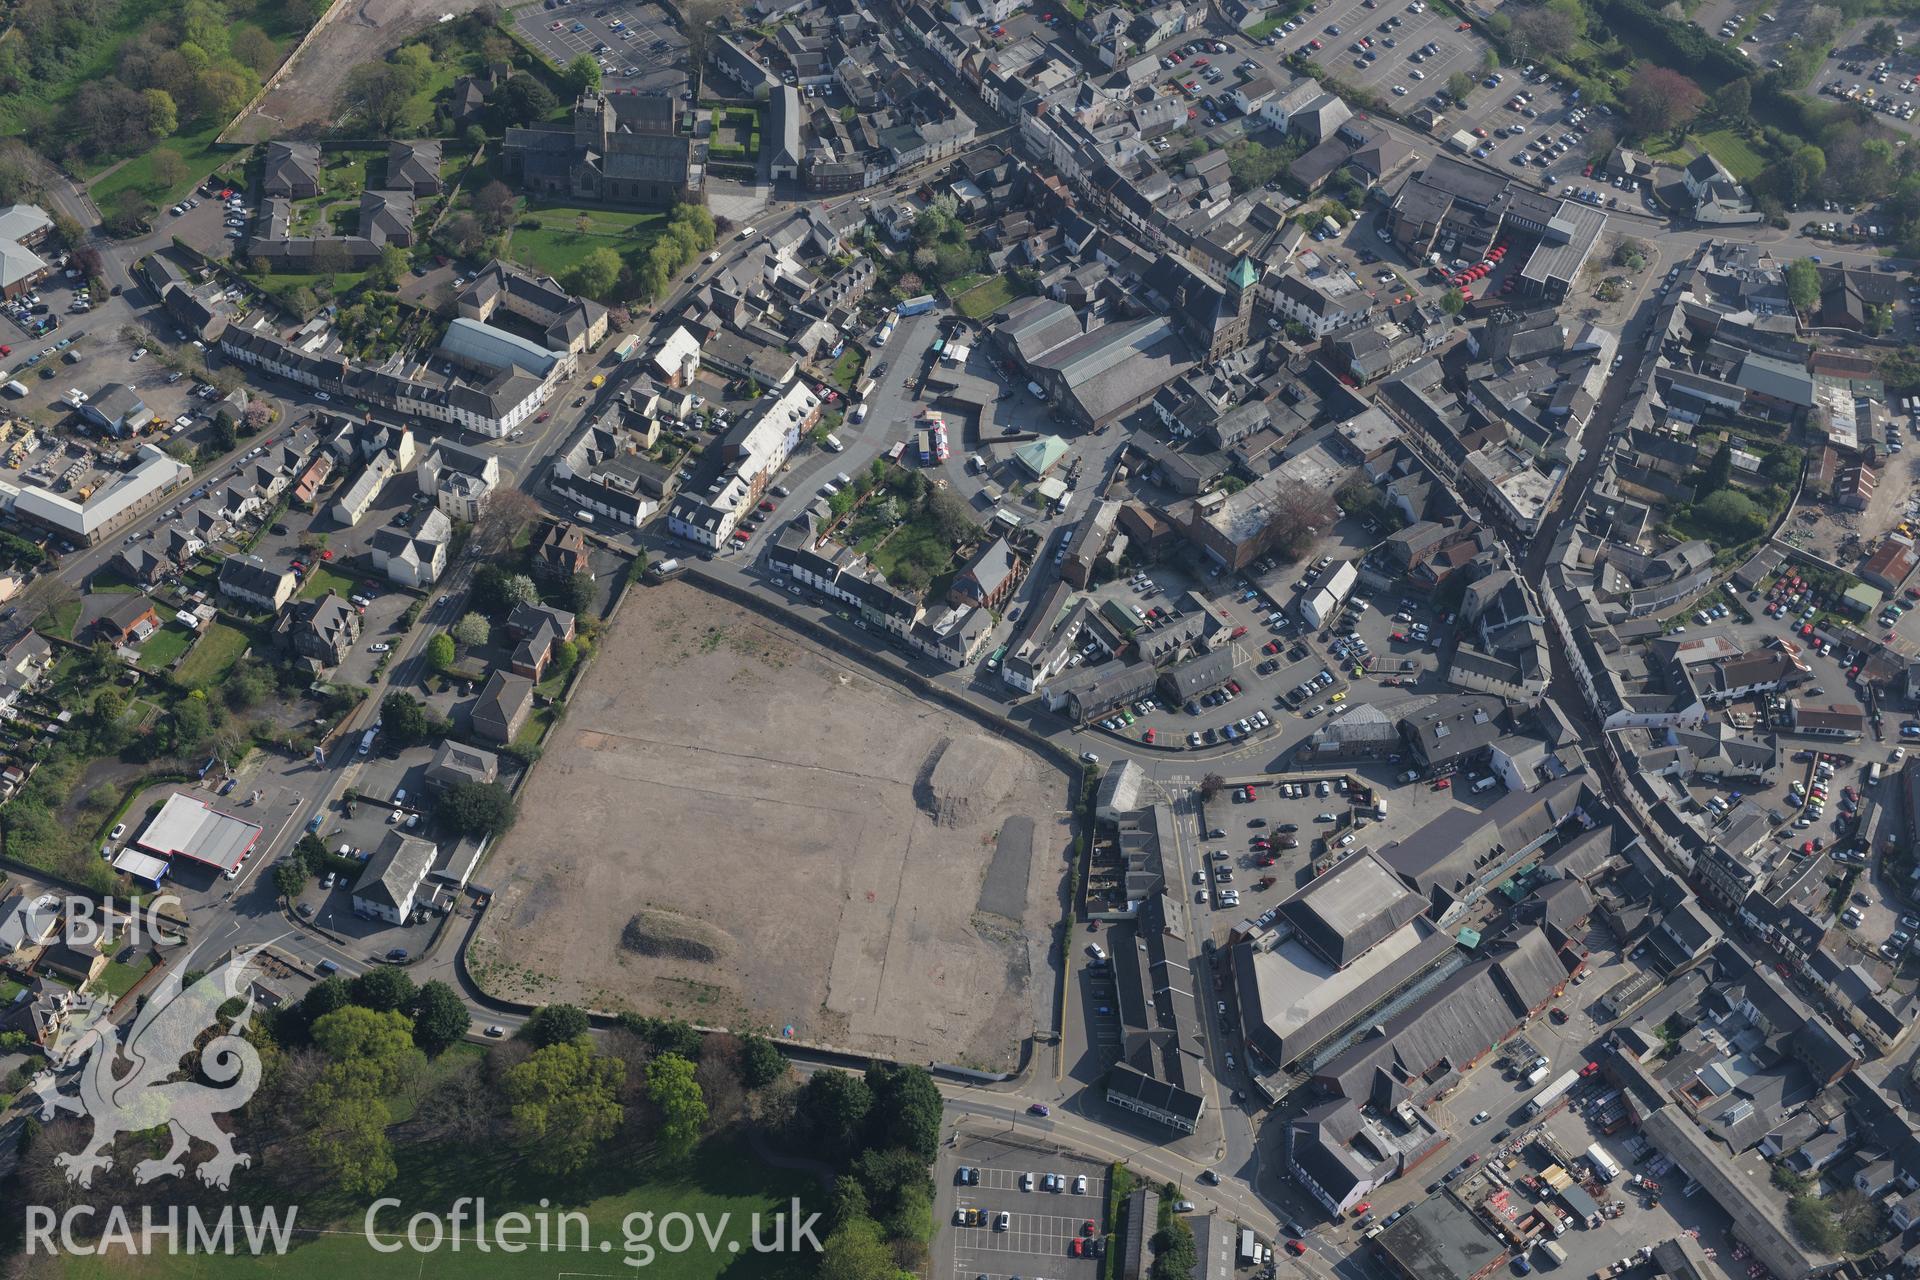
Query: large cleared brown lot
x=734, y=826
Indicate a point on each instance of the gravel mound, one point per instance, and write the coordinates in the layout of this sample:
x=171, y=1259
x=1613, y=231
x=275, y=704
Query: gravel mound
x=964, y=780
x=662, y=933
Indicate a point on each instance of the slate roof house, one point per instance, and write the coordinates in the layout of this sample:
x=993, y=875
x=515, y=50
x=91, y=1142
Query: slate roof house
x=503, y=706
x=322, y=631
x=292, y=169
x=389, y=887
x=537, y=630
x=414, y=166
x=254, y=582
x=989, y=579
x=561, y=552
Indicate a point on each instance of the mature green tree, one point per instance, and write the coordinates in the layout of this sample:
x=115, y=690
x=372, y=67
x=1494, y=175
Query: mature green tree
x=1734, y=102
x=192, y=723
x=476, y=808
x=665, y=1035
x=856, y=1252
x=581, y=75
x=1173, y=1252
x=496, y=591
x=371, y=1056
x=683, y=1110
x=472, y=631
x=440, y=652
x=163, y=117
x=384, y=988
x=440, y=1017
x=847, y=1204
x=223, y=434
x=831, y=1110
x=289, y=878
x=312, y=852
x=323, y=998
x=522, y=100
x=388, y=268
x=554, y=1024
x=406, y=721
x=1717, y=476
x=595, y=275
x=1803, y=284
x=565, y=1102
x=896, y=1183
x=376, y=94
x=906, y=1109
x=575, y=594
x=1882, y=38
x=1732, y=514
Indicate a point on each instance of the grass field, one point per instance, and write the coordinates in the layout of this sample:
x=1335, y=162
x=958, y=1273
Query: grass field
x=723, y=1184
x=568, y=233
x=278, y=285
x=1735, y=152
x=117, y=979
x=63, y=618
x=193, y=144
x=165, y=647
x=195, y=148
x=212, y=657
x=984, y=298
x=846, y=370
x=323, y=580
x=1728, y=147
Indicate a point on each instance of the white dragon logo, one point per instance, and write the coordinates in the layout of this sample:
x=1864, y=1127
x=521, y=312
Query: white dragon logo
x=157, y=1046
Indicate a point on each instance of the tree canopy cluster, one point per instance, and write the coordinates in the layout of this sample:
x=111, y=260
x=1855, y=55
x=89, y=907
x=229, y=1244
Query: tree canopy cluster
x=882, y=1130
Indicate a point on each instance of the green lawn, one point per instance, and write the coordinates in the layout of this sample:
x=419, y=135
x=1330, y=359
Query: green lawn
x=1728, y=147
x=323, y=580
x=212, y=657
x=916, y=542
x=278, y=285
x=736, y=134
x=195, y=148
x=534, y=731
x=567, y=234
x=165, y=647
x=193, y=144
x=985, y=298
x=722, y=1185
x=1735, y=152
x=64, y=617
x=846, y=370
x=9, y=990
x=117, y=979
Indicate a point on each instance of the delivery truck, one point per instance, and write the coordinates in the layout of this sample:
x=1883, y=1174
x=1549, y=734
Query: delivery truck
x=1552, y=1093
x=1552, y=1249
x=1603, y=1164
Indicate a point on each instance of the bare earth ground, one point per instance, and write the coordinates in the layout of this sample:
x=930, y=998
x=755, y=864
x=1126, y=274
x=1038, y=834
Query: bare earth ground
x=366, y=31
x=733, y=826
